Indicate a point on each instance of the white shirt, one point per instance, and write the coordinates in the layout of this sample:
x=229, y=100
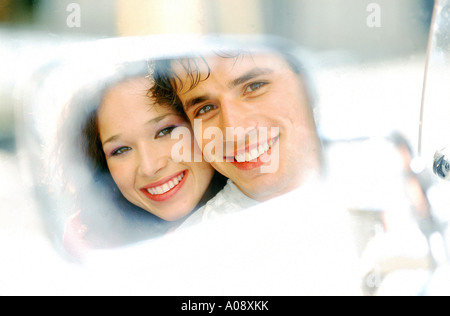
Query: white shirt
x=229, y=200
x=295, y=244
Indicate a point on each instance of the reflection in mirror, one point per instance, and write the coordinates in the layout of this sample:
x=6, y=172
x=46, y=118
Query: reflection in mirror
x=97, y=160
x=119, y=160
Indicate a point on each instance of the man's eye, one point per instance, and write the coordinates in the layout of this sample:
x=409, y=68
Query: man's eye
x=165, y=131
x=205, y=109
x=120, y=151
x=254, y=86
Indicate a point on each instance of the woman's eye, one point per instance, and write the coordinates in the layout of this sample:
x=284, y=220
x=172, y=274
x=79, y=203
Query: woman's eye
x=254, y=86
x=165, y=131
x=120, y=151
x=205, y=109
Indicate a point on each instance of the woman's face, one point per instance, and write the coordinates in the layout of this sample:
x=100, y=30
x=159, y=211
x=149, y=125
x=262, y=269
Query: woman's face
x=136, y=138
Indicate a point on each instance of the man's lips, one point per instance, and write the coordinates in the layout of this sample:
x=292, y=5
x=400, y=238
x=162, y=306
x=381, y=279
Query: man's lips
x=255, y=163
x=165, y=188
x=251, y=157
x=251, y=151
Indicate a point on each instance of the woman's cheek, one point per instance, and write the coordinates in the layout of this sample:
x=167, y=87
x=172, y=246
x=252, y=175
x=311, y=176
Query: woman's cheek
x=179, y=150
x=120, y=173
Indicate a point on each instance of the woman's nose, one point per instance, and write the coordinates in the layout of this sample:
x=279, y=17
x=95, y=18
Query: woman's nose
x=151, y=162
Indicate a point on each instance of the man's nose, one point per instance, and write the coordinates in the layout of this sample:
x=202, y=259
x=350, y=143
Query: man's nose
x=151, y=161
x=234, y=113
x=237, y=120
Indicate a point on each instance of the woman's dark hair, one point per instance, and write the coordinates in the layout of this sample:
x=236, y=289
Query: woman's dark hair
x=91, y=143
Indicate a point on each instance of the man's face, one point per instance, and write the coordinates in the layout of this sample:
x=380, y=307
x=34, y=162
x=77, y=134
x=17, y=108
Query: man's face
x=251, y=94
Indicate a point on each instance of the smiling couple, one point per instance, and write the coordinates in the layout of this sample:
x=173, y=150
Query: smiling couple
x=261, y=97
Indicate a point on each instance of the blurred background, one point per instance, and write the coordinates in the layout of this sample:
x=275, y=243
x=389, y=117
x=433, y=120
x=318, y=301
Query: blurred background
x=351, y=32
x=370, y=58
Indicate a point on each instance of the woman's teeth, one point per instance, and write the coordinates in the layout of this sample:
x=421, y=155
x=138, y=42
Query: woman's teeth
x=255, y=153
x=166, y=186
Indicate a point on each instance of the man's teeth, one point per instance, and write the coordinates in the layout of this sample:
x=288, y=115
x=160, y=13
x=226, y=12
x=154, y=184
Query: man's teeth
x=255, y=153
x=166, y=186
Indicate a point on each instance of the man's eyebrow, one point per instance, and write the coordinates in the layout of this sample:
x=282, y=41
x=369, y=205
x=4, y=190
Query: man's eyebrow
x=249, y=75
x=190, y=103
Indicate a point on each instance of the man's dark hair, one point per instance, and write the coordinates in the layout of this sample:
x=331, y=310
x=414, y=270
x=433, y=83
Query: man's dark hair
x=167, y=82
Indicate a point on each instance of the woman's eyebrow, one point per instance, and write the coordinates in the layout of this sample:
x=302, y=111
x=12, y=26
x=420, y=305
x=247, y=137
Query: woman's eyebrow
x=111, y=139
x=152, y=121
x=158, y=119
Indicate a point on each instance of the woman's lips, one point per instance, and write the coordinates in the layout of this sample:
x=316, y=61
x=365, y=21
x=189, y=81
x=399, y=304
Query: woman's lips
x=166, y=188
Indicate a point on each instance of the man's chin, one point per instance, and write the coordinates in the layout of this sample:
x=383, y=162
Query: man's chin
x=262, y=187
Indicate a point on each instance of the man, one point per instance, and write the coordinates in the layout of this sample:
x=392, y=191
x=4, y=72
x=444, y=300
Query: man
x=261, y=100
x=256, y=109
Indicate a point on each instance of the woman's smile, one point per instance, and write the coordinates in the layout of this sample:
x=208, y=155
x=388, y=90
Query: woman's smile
x=166, y=188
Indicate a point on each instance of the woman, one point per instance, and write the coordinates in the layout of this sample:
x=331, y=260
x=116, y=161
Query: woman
x=125, y=138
